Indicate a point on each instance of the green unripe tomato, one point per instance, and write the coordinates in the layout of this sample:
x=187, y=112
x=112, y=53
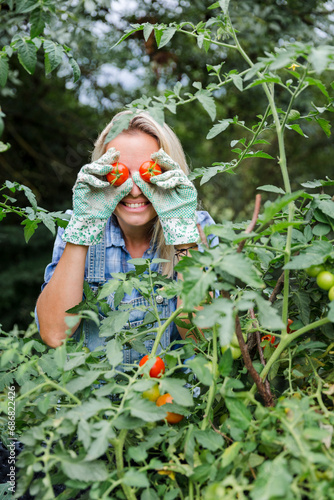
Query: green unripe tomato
x=235, y=351
x=153, y=393
x=325, y=280
x=85, y=349
x=313, y=271
x=331, y=293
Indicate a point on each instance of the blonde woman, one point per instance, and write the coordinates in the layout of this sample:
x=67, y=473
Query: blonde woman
x=112, y=224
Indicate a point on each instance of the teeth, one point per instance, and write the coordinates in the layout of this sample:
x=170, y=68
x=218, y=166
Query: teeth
x=134, y=205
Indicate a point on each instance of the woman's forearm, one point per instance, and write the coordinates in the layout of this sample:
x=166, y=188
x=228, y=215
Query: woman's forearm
x=63, y=291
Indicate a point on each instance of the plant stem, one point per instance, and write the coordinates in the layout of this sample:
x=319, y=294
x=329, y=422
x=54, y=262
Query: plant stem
x=287, y=339
x=212, y=390
x=119, y=445
x=162, y=329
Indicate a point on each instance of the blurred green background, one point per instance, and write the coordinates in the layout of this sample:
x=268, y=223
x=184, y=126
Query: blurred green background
x=52, y=123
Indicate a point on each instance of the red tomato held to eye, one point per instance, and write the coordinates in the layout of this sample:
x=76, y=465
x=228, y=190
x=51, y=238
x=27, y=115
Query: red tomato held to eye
x=157, y=369
x=172, y=418
x=149, y=169
x=118, y=175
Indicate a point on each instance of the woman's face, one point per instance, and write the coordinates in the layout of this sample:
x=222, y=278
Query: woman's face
x=134, y=209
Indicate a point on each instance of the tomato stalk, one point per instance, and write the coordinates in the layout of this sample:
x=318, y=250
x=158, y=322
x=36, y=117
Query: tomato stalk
x=118, y=445
x=212, y=390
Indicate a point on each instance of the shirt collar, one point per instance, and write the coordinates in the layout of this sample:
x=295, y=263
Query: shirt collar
x=114, y=235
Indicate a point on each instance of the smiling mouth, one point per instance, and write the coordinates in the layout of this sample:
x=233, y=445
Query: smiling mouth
x=135, y=205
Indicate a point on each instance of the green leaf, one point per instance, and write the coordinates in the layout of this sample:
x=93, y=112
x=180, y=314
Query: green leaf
x=317, y=83
x=207, y=102
x=224, y=6
x=146, y=410
x=195, y=286
x=273, y=208
x=320, y=57
x=302, y=301
x=114, y=322
x=27, y=53
x=201, y=368
x=317, y=253
x=331, y=311
x=127, y=34
x=53, y=55
x=122, y=123
x=26, y=6
x=75, y=68
x=237, y=80
x=296, y=128
x=180, y=394
x=85, y=471
x=4, y=67
x=114, y=352
x=271, y=189
x=239, y=413
x=274, y=478
x=136, y=479
x=108, y=288
x=209, y=439
x=163, y=36
x=30, y=227
x=85, y=380
x=218, y=128
x=37, y=21
x=258, y=154
x=230, y=453
x=239, y=266
x=101, y=433
x=147, y=30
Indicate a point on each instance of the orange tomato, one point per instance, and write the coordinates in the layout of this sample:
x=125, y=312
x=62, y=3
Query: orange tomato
x=172, y=418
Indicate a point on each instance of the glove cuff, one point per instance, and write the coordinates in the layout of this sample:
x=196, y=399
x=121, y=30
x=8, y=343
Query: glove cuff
x=178, y=231
x=83, y=231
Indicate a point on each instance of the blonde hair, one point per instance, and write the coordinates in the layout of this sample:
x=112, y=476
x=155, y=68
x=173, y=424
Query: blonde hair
x=169, y=142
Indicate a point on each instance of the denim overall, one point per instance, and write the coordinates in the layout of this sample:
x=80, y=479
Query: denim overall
x=96, y=277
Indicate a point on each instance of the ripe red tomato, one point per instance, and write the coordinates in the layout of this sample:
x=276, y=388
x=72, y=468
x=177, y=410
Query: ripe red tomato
x=288, y=329
x=118, y=175
x=149, y=169
x=270, y=338
x=325, y=280
x=153, y=393
x=157, y=369
x=172, y=418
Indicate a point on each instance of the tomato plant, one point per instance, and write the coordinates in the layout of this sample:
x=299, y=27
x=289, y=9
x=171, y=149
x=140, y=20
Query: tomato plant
x=157, y=369
x=118, y=175
x=172, y=418
x=149, y=169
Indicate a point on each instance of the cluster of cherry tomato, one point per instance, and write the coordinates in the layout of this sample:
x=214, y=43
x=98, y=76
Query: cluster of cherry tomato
x=120, y=172
x=324, y=279
x=153, y=394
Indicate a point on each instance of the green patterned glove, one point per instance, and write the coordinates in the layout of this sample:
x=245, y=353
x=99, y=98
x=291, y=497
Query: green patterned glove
x=174, y=198
x=94, y=200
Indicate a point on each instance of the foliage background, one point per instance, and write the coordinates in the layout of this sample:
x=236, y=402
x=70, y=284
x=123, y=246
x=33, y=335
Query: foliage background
x=51, y=122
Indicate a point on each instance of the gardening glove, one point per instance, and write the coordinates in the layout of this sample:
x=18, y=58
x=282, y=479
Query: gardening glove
x=94, y=200
x=174, y=198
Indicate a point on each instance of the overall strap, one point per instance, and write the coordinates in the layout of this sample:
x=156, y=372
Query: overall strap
x=96, y=263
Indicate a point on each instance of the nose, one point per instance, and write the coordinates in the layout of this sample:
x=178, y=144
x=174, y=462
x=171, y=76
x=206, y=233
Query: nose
x=135, y=191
